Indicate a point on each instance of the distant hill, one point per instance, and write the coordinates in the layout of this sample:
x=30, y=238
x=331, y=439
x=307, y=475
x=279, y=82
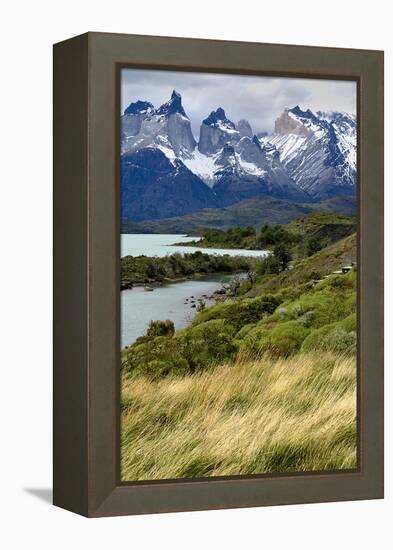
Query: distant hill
x=323, y=228
x=255, y=212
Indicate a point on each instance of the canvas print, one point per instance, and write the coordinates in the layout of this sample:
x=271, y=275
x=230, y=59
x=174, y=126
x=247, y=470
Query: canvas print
x=238, y=206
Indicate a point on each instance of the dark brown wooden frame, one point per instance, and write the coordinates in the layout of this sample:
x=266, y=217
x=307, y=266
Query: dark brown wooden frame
x=86, y=282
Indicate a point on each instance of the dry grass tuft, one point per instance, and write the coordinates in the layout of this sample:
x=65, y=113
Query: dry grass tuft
x=256, y=416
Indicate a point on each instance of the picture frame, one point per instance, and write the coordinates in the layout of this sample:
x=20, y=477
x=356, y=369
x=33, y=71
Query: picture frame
x=86, y=387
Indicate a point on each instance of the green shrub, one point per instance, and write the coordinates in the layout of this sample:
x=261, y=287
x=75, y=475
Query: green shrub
x=338, y=282
x=313, y=341
x=244, y=331
x=240, y=313
x=312, y=245
x=252, y=342
x=160, y=328
x=207, y=343
x=318, y=308
x=154, y=369
x=283, y=253
x=282, y=340
x=270, y=265
x=339, y=337
x=349, y=323
x=285, y=339
x=340, y=340
x=156, y=357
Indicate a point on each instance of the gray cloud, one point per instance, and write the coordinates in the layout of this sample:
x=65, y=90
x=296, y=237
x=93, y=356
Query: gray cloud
x=258, y=99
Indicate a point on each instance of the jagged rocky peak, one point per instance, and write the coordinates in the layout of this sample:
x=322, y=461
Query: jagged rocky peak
x=288, y=122
x=216, y=117
x=139, y=108
x=297, y=111
x=167, y=127
x=133, y=117
x=217, y=130
x=173, y=106
x=244, y=128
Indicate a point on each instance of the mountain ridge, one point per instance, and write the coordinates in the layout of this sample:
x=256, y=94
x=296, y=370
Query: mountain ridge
x=309, y=157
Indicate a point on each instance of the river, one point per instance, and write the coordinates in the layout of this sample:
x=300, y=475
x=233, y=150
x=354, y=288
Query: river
x=173, y=301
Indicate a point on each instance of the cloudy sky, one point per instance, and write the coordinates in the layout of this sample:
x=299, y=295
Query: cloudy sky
x=258, y=99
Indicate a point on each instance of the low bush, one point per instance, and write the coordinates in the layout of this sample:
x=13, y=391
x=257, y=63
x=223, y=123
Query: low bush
x=282, y=340
x=313, y=341
x=207, y=344
x=339, y=337
x=190, y=350
x=349, y=323
x=245, y=330
x=340, y=340
x=241, y=312
x=160, y=328
x=318, y=308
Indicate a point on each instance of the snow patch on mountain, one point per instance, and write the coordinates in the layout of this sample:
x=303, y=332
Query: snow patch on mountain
x=287, y=145
x=202, y=165
x=249, y=167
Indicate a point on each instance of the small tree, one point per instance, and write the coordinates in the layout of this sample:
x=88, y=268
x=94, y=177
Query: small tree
x=160, y=328
x=312, y=245
x=270, y=265
x=283, y=254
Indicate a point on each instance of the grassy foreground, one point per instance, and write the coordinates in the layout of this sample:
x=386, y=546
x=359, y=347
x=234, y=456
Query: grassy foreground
x=258, y=415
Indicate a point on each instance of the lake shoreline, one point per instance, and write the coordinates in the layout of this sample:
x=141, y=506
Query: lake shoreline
x=153, y=284
x=200, y=244
x=144, y=270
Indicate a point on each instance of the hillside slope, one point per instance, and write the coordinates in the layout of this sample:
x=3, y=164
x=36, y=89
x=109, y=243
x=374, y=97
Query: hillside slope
x=328, y=260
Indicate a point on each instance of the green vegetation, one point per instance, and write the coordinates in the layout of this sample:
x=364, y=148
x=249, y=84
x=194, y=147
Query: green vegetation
x=246, y=238
x=278, y=325
x=306, y=270
x=144, y=269
x=320, y=230
x=264, y=381
x=303, y=237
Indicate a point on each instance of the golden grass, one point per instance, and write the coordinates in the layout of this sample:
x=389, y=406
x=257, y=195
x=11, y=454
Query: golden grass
x=256, y=416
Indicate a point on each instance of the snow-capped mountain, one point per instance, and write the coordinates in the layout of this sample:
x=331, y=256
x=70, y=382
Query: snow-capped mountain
x=318, y=150
x=167, y=128
x=166, y=172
